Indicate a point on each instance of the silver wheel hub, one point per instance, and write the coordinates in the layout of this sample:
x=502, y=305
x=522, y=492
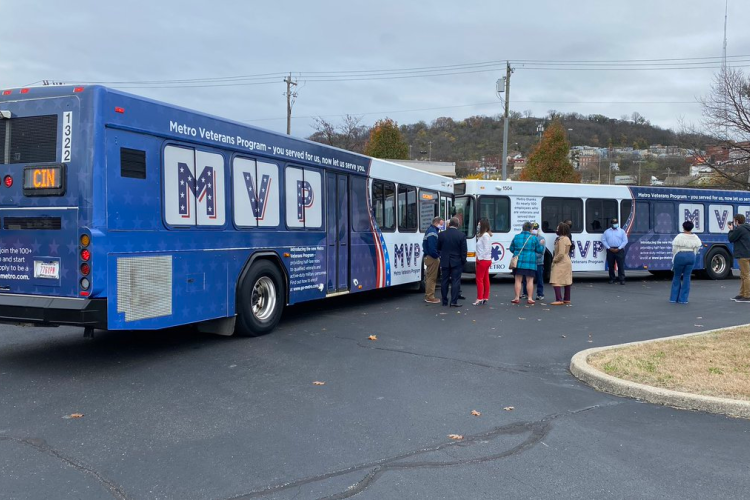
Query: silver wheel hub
x=718, y=264
x=263, y=299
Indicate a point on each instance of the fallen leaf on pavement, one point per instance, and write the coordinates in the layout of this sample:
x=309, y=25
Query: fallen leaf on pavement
x=508, y=408
x=373, y=337
x=476, y=413
x=455, y=436
x=74, y=415
x=319, y=383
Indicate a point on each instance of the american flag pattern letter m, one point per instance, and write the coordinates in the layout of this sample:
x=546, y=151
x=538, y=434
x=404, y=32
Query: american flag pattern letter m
x=191, y=199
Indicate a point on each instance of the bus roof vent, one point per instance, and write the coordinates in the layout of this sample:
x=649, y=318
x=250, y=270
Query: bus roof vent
x=132, y=163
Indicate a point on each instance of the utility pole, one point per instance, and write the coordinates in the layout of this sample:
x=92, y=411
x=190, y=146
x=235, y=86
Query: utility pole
x=429, y=158
x=508, y=72
x=290, y=98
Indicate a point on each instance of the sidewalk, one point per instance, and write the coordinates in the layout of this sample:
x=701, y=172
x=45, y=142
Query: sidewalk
x=600, y=381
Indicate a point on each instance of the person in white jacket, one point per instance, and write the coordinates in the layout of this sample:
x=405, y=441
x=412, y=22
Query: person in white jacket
x=685, y=247
x=484, y=259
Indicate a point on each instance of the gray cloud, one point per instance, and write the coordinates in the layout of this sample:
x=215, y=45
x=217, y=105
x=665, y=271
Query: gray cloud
x=139, y=40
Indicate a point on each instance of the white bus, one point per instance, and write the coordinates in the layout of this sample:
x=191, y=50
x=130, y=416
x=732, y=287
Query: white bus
x=651, y=216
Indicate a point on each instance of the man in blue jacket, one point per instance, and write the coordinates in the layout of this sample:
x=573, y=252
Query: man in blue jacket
x=431, y=260
x=451, y=246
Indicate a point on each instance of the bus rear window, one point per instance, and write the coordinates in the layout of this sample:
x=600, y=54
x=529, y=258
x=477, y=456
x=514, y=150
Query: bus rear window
x=31, y=139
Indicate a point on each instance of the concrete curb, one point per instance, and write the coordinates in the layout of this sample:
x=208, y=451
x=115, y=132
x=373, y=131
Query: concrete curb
x=600, y=381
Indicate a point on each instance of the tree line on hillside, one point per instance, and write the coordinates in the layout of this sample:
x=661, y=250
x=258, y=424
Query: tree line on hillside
x=547, y=141
x=446, y=139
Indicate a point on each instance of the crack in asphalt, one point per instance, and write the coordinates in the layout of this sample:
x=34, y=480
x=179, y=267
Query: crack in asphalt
x=537, y=430
x=41, y=446
x=504, y=369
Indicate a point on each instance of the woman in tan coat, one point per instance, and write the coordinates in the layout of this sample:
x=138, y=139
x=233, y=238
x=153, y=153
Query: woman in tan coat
x=562, y=268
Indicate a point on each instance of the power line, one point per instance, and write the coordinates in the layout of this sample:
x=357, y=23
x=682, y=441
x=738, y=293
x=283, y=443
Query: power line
x=435, y=71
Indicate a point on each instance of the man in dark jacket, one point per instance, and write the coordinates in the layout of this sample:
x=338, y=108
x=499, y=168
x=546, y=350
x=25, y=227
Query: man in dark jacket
x=451, y=246
x=739, y=235
x=431, y=260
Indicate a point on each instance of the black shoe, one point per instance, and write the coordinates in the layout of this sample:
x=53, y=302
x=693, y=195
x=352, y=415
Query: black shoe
x=459, y=305
x=611, y=281
x=461, y=297
x=737, y=297
x=743, y=299
x=622, y=282
x=445, y=304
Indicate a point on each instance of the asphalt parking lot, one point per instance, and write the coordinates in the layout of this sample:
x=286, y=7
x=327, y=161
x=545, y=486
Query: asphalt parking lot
x=183, y=415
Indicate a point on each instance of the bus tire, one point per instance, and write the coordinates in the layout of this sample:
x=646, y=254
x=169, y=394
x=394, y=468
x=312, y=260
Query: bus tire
x=260, y=299
x=718, y=264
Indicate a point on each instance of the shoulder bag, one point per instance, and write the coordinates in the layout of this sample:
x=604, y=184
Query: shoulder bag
x=514, y=260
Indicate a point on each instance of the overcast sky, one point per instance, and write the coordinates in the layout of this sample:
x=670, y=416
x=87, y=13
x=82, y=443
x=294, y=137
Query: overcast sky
x=165, y=40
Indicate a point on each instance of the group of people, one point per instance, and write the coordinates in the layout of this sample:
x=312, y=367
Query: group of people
x=447, y=250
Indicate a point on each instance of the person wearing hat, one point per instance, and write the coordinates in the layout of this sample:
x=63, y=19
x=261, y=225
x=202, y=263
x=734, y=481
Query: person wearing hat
x=614, y=240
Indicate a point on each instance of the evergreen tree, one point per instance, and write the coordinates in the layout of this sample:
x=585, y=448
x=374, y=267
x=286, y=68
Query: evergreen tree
x=386, y=141
x=549, y=160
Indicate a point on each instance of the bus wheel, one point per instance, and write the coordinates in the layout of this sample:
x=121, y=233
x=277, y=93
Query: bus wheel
x=718, y=264
x=260, y=300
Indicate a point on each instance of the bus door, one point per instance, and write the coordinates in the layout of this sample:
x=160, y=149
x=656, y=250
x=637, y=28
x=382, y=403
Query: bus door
x=337, y=232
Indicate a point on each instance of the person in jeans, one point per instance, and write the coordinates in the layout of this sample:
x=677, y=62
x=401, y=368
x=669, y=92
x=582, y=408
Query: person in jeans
x=685, y=247
x=431, y=260
x=484, y=259
x=614, y=240
x=539, y=267
x=739, y=235
x=525, y=246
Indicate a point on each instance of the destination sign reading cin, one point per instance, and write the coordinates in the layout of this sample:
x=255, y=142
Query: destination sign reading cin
x=46, y=180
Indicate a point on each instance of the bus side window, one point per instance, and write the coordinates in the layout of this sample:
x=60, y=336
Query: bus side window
x=383, y=204
x=599, y=214
x=640, y=222
x=557, y=210
x=664, y=218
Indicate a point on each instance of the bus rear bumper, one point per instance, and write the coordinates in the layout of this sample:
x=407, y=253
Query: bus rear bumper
x=53, y=311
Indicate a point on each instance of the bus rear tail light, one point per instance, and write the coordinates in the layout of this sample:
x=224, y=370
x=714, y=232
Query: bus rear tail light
x=85, y=269
x=78, y=89
x=120, y=110
x=8, y=181
x=85, y=240
x=7, y=92
x=24, y=91
x=85, y=255
x=85, y=283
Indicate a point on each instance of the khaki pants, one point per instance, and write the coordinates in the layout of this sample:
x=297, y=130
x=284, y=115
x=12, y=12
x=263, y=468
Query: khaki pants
x=430, y=276
x=744, y=277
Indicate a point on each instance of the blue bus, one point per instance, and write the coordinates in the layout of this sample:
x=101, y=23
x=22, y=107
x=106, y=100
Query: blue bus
x=123, y=213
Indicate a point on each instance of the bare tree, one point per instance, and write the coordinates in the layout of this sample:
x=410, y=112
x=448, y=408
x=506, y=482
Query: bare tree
x=724, y=143
x=349, y=135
